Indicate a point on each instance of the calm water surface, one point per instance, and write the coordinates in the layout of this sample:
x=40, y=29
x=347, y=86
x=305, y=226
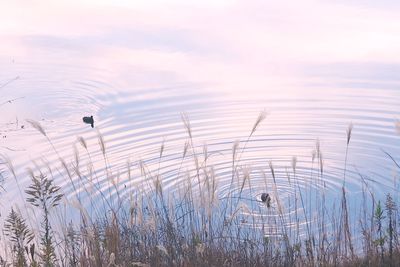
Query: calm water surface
x=137, y=70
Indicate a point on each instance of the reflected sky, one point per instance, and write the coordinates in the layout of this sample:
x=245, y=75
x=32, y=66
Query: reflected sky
x=231, y=42
x=314, y=66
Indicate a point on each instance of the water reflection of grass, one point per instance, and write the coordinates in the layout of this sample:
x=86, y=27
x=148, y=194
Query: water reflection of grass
x=149, y=226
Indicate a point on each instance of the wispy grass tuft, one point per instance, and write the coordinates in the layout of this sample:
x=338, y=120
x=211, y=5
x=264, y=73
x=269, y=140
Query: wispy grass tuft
x=261, y=117
x=348, y=132
x=37, y=126
x=101, y=142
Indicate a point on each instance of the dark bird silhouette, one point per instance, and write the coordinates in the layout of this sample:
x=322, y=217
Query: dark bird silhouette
x=265, y=197
x=89, y=120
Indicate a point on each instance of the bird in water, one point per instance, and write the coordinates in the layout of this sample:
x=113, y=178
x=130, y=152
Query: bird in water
x=266, y=198
x=89, y=120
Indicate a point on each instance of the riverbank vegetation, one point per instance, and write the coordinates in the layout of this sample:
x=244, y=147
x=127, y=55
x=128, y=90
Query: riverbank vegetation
x=195, y=226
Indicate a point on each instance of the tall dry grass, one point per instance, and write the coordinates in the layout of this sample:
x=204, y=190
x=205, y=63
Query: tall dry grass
x=195, y=226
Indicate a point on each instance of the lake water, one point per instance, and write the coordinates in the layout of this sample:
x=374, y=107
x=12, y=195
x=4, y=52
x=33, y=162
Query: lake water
x=137, y=69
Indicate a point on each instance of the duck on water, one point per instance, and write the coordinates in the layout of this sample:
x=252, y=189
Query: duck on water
x=89, y=120
x=266, y=198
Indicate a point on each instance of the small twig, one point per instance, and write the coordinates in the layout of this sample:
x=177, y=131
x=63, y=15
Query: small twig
x=11, y=100
x=11, y=149
x=8, y=82
x=398, y=166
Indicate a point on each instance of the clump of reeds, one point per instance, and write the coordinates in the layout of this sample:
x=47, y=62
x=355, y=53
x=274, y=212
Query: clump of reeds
x=21, y=238
x=391, y=210
x=42, y=193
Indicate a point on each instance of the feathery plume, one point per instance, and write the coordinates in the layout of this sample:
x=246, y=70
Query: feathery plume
x=37, y=126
